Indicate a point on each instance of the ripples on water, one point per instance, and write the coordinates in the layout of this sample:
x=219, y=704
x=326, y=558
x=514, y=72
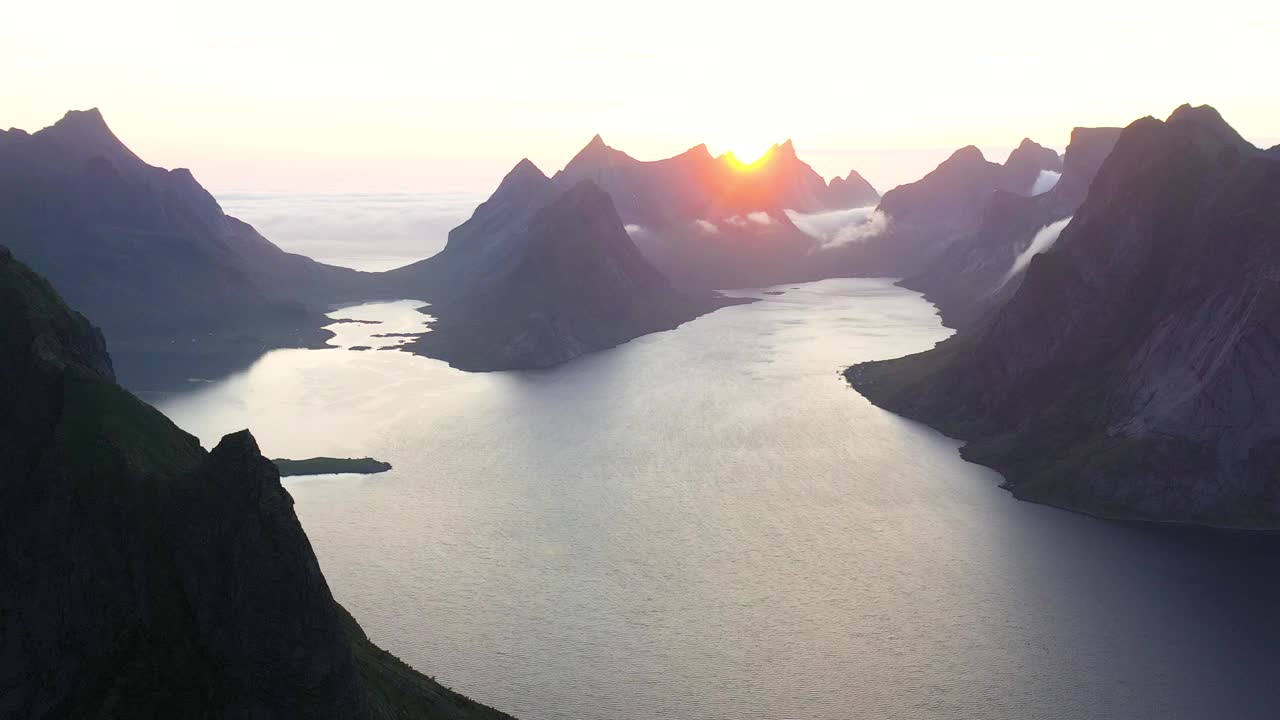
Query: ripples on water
x=708, y=523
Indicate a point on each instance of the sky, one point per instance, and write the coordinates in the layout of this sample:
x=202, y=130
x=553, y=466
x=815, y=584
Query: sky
x=391, y=96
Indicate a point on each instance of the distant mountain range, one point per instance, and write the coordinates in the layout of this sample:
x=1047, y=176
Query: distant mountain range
x=147, y=578
x=1135, y=371
x=182, y=289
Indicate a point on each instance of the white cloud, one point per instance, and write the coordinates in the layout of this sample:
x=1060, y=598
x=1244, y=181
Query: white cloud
x=1044, y=239
x=841, y=227
x=1045, y=182
x=706, y=226
x=366, y=231
x=760, y=218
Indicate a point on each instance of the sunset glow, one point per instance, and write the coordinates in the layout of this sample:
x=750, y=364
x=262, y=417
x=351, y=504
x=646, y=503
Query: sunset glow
x=373, y=103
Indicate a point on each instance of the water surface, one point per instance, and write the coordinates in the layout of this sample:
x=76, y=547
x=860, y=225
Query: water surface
x=708, y=523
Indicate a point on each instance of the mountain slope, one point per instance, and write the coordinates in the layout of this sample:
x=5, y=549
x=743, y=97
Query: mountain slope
x=148, y=253
x=145, y=577
x=1136, y=370
x=571, y=281
x=980, y=270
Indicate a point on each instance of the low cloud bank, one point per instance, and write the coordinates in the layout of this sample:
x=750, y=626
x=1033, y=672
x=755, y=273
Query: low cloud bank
x=1045, y=182
x=367, y=231
x=841, y=227
x=1044, y=239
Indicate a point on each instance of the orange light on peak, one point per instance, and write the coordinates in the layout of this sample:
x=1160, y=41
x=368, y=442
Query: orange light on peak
x=748, y=158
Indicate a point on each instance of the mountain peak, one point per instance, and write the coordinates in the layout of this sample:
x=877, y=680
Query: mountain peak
x=966, y=154
x=594, y=156
x=85, y=119
x=526, y=168
x=82, y=135
x=1206, y=122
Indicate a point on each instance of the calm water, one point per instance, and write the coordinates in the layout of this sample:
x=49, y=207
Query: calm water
x=708, y=523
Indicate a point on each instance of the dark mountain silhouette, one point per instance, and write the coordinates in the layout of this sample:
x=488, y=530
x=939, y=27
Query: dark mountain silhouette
x=715, y=222
x=148, y=253
x=184, y=290
x=1136, y=370
x=920, y=220
x=1025, y=164
x=696, y=186
x=146, y=577
x=564, y=281
x=973, y=274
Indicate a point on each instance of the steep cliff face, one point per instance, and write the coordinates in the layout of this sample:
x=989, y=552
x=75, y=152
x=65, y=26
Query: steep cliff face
x=145, y=577
x=1136, y=370
x=980, y=270
x=572, y=281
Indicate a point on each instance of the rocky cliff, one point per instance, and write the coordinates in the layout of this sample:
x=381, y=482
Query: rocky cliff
x=980, y=270
x=146, y=577
x=1136, y=370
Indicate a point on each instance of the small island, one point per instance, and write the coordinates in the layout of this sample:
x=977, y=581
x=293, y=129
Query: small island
x=329, y=466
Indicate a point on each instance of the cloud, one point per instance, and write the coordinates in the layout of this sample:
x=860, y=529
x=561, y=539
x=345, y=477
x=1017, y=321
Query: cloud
x=706, y=226
x=760, y=218
x=634, y=229
x=377, y=231
x=1045, y=182
x=841, y=227
x=1044, y=239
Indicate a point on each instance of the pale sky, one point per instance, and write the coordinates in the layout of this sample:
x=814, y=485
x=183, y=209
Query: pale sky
x=383, y=95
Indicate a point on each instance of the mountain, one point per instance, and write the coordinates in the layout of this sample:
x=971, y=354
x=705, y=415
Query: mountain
x=483, y=249
x=981, y=269
x=918, y=221
x=696, y=186
x=146, y=577
x=1025, y=165
x=149, y=254
x=851, y=191
x=1135, y=372
x=548, y=285
x=716, y=222
x=652, y=194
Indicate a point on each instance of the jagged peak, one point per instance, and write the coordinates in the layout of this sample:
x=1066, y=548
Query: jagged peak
x=966, y=155
x=526, y=167
x=787, y=147
x=1206, y=119
x=91, y=118
x=596, y=154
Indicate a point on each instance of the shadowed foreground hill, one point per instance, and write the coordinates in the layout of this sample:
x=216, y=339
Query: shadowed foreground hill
x=1136, y=371
x=145, y=577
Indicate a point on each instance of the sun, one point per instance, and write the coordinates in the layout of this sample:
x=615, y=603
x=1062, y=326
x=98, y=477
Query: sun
x=748, y=154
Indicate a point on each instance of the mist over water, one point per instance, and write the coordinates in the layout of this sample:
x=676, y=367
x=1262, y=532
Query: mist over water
x=708, y=523
x=362, y=231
